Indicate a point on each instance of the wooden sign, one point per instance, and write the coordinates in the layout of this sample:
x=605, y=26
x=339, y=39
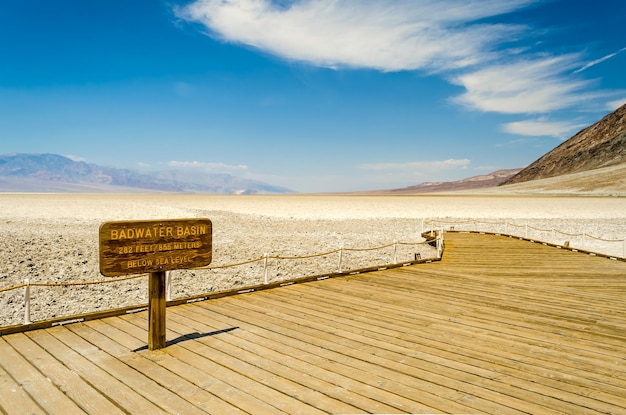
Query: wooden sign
x=138, y=247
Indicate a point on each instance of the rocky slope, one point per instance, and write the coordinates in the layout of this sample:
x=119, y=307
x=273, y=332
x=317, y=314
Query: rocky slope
x=603, y=144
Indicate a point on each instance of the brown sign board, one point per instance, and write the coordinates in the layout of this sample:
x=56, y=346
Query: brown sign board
x=138, y=247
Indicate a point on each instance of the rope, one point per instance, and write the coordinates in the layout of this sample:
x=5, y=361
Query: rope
x=603, y=240
x=305, y=256
x=569, y=234
x=214, y=267
x=69, y=284
x=451, y=222
x=411, y=243
x=232, y=265
x=369, y=249
x=14, y=287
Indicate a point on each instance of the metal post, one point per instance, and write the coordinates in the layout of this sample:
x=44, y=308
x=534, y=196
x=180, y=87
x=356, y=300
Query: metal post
x=340, y=260
x=583, y=241
x=156, y=310
x=27, y=302
x=395, y=252
x=168, y=286
x=265, y=267
x=438, y=245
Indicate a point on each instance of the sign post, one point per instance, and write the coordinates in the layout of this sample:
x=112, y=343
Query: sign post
x=156, y=310
x=154, y=247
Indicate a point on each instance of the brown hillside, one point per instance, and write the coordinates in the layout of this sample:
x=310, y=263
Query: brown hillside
x=602, y=144
x=472, y=183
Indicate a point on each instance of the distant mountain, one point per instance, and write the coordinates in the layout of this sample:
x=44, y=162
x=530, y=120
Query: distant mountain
x=55, y=173
x=603, y=144
x=471, y=183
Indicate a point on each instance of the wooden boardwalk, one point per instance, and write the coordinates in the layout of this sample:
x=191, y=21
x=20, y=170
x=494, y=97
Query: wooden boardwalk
x=499, y=326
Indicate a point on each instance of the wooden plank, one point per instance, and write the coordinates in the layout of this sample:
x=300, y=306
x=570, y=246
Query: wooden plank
x=123, y=367
x=80, y=392
x=208, y=380
x=263, y=385
x=436, y=318
x=415, y=363
x=295, y=374
x=331, y=352
x=405, y=317
x=523, y=313
x=34, y=383
x=116, y=342
x=77, y=361
x=408, y=336
x=148, y=388
x=15, y=400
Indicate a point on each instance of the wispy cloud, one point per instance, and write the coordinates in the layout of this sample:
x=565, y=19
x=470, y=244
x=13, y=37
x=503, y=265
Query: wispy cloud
x=456, y=39
x=75, y=158
x=542, y=127
x=386, y=175
x=436, y=165
x=524, y=86
x=597, y=61
x=613, y=105
x=208, y=166
x=385, y=35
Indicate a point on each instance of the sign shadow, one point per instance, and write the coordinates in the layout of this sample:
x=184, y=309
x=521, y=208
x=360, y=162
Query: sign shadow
x=190, y=336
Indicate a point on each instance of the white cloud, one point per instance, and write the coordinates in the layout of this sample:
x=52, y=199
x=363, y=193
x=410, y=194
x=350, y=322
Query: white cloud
x=598, y=61
x=452, y=38
x=541, y=127
x=613, y=105
x=384, y=35
x=525, y=86
x=208, y=166
x=75, y=158
x=417, y=166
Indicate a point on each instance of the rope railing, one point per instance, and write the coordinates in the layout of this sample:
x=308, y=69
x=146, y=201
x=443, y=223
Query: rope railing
x=27, y=284
x=435, y=225
x=580, y=240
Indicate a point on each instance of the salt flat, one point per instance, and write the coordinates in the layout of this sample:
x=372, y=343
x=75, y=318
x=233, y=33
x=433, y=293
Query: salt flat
x=54, y=237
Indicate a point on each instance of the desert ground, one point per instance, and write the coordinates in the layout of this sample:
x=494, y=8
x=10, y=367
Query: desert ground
x=53, y=238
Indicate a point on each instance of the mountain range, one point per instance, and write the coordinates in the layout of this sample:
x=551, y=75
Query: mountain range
x=471, y=183
x=55, y=173
x=593, y=162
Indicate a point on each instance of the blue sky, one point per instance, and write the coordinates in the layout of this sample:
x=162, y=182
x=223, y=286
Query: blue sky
x=313, y=95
